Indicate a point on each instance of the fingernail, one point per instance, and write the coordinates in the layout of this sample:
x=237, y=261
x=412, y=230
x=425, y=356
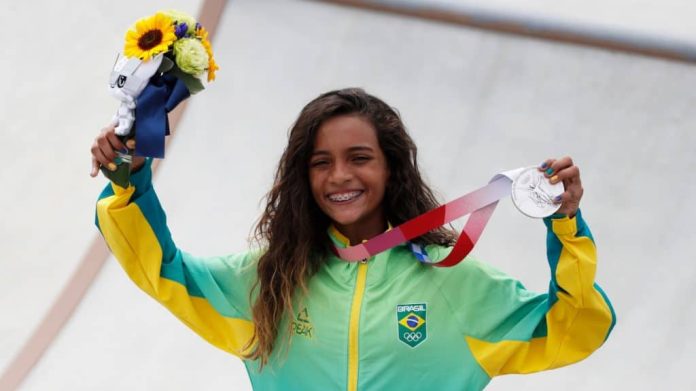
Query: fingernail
x=544, y=165
x=557, y=199
x=111, y=166
x=554, y=179
x=130, y=144
x=549, y=171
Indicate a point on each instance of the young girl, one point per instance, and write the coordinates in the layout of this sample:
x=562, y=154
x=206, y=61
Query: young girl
x=303, y=319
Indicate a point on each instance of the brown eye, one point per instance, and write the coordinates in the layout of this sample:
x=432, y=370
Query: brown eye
x=318, y=163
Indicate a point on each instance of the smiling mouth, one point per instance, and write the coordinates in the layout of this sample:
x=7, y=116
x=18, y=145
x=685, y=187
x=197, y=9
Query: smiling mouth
x=344, y=197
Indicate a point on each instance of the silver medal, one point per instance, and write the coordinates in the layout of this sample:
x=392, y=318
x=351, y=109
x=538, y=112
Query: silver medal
x=533, y=194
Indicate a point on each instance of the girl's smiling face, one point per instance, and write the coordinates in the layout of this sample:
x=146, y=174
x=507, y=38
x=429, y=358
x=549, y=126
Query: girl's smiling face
x=348, y=174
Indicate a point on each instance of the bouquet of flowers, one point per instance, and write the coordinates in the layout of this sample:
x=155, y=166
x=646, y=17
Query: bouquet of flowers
x=164, y=58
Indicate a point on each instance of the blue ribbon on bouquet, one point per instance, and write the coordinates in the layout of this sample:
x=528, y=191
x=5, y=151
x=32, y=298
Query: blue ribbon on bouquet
x=161, y=95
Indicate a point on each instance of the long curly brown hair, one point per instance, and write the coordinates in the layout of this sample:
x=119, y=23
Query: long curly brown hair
x=293, y=229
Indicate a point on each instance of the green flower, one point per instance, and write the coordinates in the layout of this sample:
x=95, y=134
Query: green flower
x=190, y=56
x=182, y=17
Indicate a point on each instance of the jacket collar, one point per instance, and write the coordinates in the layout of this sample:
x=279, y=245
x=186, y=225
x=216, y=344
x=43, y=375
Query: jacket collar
x=380, y=266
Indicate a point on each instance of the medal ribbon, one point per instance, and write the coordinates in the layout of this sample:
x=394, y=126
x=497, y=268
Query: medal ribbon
x=479, y=203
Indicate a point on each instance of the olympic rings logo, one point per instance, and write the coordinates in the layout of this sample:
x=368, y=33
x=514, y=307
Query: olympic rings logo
x=412, y=337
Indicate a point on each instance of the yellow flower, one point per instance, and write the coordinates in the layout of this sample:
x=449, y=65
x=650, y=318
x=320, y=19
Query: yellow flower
x=202, y=34
x=212, y=67
x=149, y=37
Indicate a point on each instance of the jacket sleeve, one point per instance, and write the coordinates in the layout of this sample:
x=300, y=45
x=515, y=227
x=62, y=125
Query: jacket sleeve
x=210, y=295
x=509, y=329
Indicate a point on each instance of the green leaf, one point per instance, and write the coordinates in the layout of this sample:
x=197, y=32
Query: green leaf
x=166, y=65
x=192, y=83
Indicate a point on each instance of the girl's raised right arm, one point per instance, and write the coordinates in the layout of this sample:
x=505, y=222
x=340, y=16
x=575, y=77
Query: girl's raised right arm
x=210, y=295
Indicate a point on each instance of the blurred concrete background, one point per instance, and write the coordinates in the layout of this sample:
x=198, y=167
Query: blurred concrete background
x=475, y=102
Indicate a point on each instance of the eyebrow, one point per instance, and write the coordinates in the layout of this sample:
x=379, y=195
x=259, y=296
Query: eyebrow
x=355, y=148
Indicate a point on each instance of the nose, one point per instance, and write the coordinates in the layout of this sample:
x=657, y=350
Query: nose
x=340, y=173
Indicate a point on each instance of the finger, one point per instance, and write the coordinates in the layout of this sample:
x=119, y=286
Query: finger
x=572, y=194
x=115, y=141
x=101, y=159
x=563, y=197
x=574, y=179
x=95, y=167
x=546, y=164
x=567, y=175
x=106, y=148
x=559, y=165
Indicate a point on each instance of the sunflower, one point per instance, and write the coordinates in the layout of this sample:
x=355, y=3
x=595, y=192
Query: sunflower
x=149, y=37
x=202, y=34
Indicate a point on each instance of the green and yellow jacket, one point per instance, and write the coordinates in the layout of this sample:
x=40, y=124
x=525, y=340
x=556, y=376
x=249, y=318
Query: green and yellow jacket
x=388, y=323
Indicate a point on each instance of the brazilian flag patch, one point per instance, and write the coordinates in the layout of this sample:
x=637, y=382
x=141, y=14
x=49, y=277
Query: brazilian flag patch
x=411, y=320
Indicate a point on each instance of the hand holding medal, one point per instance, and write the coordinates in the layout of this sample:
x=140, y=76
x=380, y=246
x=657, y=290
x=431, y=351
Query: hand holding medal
x=564, y=171
x=163, y=59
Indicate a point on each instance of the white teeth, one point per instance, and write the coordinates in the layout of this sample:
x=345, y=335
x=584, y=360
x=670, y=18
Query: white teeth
x=344, y=196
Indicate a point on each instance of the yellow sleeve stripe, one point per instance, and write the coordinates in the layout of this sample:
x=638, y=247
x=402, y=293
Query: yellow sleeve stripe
x=577, y=322
x=135, y=246
x=573, y=334
x=228, y=334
